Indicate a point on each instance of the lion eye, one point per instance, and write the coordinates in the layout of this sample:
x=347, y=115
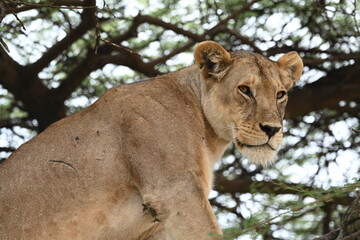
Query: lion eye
x=245, y=89
x=280, y=94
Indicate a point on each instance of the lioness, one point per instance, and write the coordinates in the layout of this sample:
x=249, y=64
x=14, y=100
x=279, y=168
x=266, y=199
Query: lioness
x=137, y=164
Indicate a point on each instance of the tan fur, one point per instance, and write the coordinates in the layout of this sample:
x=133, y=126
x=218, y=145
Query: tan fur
x=137, y=164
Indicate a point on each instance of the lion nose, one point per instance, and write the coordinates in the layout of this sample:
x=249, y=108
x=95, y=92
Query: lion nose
x=269, y=130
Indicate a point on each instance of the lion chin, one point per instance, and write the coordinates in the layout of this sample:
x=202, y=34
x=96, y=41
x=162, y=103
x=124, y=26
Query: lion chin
x=260, y=155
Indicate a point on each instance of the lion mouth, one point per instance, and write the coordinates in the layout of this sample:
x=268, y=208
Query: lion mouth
x=240, y=144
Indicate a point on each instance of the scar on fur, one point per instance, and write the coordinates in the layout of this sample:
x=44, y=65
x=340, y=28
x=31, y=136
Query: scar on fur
x=149, y=209
x=63, y=162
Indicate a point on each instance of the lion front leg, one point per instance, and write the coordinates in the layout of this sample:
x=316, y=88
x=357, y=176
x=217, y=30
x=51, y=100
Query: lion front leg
x=183, y=211
x=173, y=177
x=193, y=219
x=159, y=234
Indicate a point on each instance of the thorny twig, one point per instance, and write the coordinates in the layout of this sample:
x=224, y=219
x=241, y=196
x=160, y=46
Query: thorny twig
x=118, y=46
x=13, y=13
x=356, y=130
x=305, y=208
x=97, y=30
x=48, y=5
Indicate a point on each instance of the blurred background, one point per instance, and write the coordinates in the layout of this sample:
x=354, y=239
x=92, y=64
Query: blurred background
x=57, y=57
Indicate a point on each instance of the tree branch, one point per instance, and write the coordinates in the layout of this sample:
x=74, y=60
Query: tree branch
x=337, y=85
x=13, y=122
x=7, y=149
x=175, y=52
x=246, y=185
x=87, y=23
x=135, y=63
x=243, y=39
x=96, y=61
x=55, y=4
x=138, y=20
x=155, y=21
x=236, y=13
x=313, y=62
x=9, y=70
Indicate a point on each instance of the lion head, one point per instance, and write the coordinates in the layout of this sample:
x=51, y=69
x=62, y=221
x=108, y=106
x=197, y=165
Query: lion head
x=244, y=97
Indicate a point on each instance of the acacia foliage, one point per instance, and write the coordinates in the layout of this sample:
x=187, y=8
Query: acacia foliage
x=56, y=57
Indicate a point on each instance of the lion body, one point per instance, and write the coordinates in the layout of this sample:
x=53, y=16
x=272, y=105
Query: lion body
x=137, y=164
x=83, y=172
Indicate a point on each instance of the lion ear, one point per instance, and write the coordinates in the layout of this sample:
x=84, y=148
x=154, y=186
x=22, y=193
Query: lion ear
x=212, y=59
x=293, y=65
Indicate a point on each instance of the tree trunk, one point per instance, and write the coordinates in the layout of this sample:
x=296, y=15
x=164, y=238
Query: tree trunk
x=350, y=224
